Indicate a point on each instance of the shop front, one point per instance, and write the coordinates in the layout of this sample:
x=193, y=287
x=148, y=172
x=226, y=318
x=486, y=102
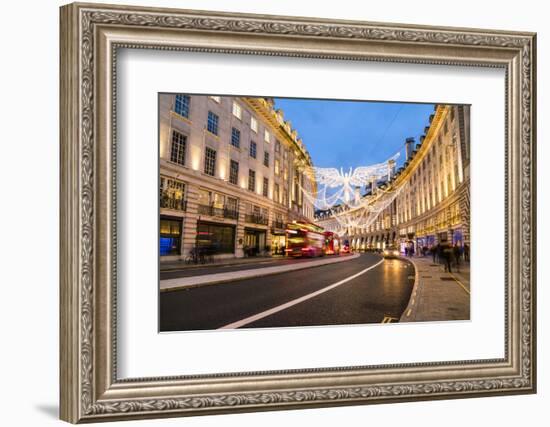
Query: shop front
x=214, y=238
x=457, y=237
x=254, y=241
x=278, y=242
x=170, y=235
x=442, y=237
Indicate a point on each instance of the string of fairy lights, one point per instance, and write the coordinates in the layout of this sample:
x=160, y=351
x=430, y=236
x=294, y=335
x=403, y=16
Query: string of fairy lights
x=339, y=195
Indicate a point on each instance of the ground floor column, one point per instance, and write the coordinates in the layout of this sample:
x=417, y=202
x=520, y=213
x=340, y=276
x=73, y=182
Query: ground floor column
x=189, y=232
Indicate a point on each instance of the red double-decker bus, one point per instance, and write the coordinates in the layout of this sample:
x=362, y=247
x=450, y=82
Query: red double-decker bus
x=304, y=239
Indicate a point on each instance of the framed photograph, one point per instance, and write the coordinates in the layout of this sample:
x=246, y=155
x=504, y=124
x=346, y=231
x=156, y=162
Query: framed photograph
x=267, y=212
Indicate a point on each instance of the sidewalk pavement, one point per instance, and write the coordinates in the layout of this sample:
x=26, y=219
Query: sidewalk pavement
x=438, y=295
x=181, y=264
x=216, y=278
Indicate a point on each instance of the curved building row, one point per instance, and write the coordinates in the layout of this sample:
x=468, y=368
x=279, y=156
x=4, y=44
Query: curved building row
x=433, y=191
x=231, y=176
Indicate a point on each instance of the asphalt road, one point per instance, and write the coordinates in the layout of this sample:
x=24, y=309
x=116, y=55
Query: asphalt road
x=375, y=296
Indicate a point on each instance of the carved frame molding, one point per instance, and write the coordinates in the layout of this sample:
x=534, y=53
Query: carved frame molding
x=90, y=37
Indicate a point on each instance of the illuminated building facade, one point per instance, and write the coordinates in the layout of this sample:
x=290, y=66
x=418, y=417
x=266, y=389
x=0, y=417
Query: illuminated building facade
x=433, y=190
x=231, y=176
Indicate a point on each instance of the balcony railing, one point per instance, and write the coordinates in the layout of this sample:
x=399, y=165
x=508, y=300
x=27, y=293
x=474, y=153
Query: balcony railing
x=220, y=212
x=169, y=201
x=256, y=219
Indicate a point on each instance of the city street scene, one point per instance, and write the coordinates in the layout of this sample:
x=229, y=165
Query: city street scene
x=286, y=212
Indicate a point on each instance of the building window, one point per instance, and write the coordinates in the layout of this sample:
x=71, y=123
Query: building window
x=181, y=105
x=265, y=189
x=237, y=112
x=254, y=124
x=276, y=193
x=251, y=180
x=177, y=150
x=277, y=146
x=210, y=161
x=253, y=149
x=216, y=99
x=170, y=236
x=217, y=238
x=218, y=200
x=266, y=136
x=212, y=124
x=204, y=197
x=234, y=172
x=231, y=204
x=235, y=137
x=277, y=167
x=266, y=158
x=172, y=193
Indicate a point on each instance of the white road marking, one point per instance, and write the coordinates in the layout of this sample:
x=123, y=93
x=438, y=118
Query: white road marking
x=286, y=305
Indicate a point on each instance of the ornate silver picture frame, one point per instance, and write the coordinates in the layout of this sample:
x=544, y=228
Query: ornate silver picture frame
x=91, y=390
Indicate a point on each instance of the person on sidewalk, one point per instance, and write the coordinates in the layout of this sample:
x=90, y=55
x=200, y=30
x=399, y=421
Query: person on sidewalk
x=466, y=252
x=447, y=256
x=434, y=250
x=456, y=256
x=440, y=248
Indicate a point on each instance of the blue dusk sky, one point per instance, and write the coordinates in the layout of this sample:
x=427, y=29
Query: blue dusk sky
x=354, y=133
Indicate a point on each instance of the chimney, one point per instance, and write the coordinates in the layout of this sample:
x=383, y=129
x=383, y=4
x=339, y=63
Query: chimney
x=409, y=147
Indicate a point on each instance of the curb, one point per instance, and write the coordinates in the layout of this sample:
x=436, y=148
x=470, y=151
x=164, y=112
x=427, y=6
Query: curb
x=410, y=311
x=221, y=264
x=254, y=275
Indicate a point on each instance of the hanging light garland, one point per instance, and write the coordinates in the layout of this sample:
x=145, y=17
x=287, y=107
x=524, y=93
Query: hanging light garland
x=345, y=205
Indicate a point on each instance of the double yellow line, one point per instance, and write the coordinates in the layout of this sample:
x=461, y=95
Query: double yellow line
x=460, y=283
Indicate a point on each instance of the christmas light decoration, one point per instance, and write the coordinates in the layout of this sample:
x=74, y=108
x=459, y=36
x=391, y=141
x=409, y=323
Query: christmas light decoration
x=345, y=206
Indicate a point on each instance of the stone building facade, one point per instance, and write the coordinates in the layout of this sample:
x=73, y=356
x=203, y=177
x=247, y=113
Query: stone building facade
x=232, y=172
x=433, y=201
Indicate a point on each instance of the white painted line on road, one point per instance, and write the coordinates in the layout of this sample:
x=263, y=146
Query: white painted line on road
x=286, y=305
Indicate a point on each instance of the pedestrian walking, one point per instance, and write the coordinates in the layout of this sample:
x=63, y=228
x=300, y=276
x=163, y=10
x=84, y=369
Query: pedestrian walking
x=447, y=256
x=466, y=252
x=456, y=256
x=434, y=250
